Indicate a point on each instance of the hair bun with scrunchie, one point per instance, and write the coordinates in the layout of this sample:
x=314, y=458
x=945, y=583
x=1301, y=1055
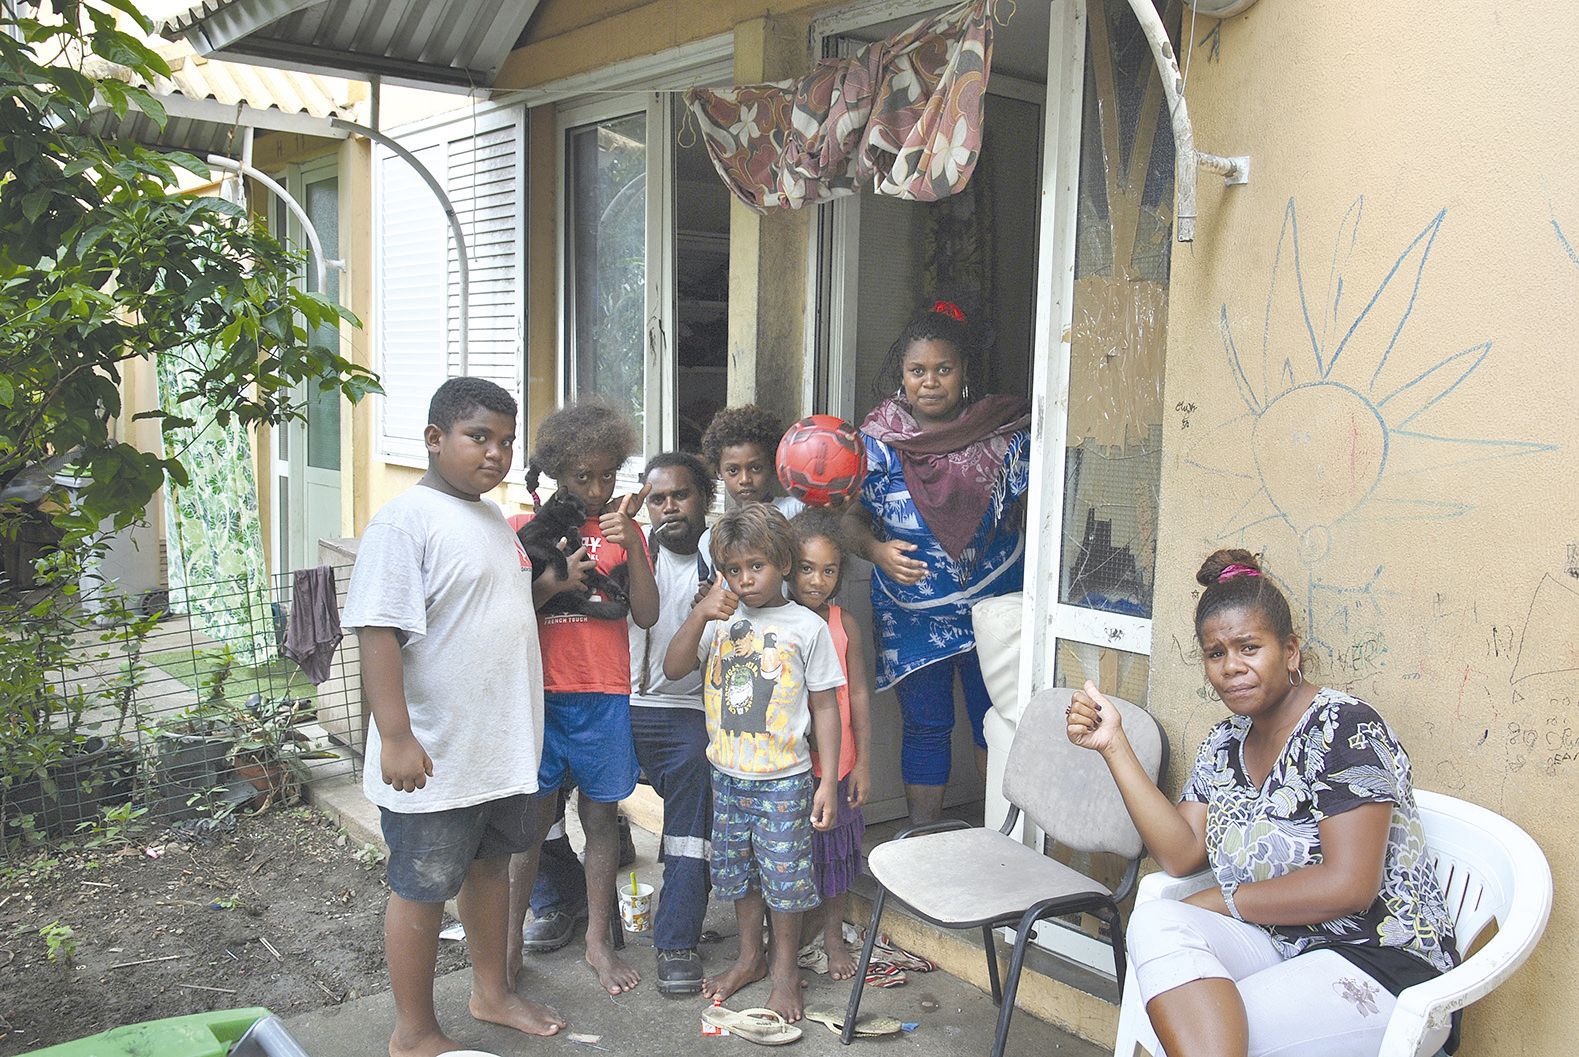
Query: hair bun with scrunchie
x=1224, y=565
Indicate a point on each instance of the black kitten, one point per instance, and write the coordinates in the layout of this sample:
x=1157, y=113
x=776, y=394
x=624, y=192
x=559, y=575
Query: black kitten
x=560, y=520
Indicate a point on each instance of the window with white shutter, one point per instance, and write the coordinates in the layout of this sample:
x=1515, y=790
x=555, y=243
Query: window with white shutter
x=479, y=157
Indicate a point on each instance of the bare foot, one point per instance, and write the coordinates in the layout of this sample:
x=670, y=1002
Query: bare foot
x=426, y=1045
x=840, y=965
x=786, y=999
x=741, y=974
x=615, y=976
x=513, y=1011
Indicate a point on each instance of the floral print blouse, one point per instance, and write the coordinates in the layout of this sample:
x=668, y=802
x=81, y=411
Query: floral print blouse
x=1342, y=754
x=930, y=621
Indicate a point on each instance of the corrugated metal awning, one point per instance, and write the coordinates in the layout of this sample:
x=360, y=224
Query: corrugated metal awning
x=207, y=100
x=457, y=44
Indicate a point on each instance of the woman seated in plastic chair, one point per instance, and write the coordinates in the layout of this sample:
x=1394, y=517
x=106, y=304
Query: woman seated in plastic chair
x=1300, y=803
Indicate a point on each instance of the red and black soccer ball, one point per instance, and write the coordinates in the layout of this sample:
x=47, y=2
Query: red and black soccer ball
x=821, y=460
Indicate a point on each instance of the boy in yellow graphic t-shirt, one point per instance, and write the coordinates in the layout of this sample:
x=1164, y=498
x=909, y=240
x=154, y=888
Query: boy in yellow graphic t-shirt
x=770, y=673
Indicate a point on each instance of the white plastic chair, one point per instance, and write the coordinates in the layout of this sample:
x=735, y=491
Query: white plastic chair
x=1490, y=871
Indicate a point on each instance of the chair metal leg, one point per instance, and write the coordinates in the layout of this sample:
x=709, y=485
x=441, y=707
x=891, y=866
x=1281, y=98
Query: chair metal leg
x=1011, y=985
x=992, y=964
x=860, y=970
x=1116, y=922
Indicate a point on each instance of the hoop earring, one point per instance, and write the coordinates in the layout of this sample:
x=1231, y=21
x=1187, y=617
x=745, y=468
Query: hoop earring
x=965, y=395
x=899, y=394
x=1212, y=694
x=1291, y=675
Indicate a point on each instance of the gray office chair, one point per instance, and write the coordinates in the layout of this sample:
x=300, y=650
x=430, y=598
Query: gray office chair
x=959, y=876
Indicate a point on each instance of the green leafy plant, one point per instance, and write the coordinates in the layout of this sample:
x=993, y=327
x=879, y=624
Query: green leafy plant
x=60, y=942
x=371, y=856
x=113, y=827
x=105, y=261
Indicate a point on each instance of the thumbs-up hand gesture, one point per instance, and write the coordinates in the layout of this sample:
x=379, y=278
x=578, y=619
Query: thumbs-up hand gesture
x=1093, y=720
x=618, y=525
x=720, y=602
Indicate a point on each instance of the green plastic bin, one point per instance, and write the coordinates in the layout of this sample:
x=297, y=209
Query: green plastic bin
x=198, y=1035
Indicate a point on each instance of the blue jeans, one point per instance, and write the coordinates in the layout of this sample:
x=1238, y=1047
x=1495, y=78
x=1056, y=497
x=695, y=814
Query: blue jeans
x=671, y=744
x=926, y=706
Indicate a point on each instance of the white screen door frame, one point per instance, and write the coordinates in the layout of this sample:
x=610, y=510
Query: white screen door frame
x=1047, y=621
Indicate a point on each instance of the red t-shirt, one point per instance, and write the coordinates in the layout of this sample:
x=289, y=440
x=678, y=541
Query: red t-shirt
x=582, y=655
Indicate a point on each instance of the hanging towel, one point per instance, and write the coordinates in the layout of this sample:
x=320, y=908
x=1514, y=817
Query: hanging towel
x=313, y=631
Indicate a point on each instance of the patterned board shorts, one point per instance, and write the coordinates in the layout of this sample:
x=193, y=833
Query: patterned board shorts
x=762, y=837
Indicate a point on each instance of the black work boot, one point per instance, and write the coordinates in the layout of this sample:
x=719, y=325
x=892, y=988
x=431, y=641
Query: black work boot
x=679, y=972
x=552, y=931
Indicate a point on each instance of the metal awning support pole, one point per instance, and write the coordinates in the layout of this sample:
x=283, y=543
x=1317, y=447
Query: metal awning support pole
x=320, y=263
x=449, y=212
x=1186, y=157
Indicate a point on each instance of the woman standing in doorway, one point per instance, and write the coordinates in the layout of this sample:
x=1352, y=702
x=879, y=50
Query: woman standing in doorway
x=939, y=518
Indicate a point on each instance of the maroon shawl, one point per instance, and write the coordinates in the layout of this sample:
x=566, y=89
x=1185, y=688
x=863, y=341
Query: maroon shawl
x=951, y=469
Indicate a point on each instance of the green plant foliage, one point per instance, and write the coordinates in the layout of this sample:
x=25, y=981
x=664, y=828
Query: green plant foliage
x=103, y=260
x=60, y=942
x=113, y=827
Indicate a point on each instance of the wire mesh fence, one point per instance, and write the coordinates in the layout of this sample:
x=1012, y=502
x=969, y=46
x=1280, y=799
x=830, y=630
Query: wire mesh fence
x=181, y=705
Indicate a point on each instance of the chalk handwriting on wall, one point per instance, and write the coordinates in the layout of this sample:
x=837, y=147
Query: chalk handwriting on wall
x=1562, y=239
x=1345, y=425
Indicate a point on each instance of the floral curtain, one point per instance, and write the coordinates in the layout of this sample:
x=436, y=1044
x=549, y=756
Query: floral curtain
x=902, y=116
x=214, y=539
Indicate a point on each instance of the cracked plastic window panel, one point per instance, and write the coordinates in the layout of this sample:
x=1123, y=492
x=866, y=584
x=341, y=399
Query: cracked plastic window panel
x=1120, y=322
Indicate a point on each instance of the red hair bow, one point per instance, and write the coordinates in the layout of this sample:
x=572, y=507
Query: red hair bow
x=948, y=308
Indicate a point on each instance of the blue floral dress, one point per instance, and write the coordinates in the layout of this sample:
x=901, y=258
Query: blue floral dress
x=930, y=621
x=1342, y=754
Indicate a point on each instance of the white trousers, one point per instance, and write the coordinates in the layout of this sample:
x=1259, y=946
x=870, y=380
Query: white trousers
x=1318, y=1004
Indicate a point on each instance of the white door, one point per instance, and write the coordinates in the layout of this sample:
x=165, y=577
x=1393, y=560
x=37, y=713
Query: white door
x=884, y=257
x=1081, y=88
x=645, y=266
x=307, y=452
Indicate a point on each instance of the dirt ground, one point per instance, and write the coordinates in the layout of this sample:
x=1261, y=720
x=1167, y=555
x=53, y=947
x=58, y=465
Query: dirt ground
x=277, y=913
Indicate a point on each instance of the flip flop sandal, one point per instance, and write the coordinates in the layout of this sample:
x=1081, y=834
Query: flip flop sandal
x=886, y=950
x=867, y=1026
x=765, y=1027
x=884, y=974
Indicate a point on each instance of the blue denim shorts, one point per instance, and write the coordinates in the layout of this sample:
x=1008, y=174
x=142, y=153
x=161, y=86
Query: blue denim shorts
x=762, y=837
x=588, y=737
x=430, y=852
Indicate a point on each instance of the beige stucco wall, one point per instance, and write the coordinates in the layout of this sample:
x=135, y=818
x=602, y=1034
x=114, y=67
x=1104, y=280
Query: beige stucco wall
x=1428, y=544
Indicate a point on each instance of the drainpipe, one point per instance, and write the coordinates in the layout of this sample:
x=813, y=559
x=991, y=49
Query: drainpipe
x=1185, y=157
x=444, y=203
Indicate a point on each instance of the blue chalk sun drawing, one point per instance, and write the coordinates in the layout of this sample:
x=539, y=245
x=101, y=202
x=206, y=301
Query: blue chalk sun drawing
x=1339, y=402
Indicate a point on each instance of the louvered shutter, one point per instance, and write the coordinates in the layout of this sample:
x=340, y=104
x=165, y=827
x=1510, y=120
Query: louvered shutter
x=411, y=234
x=480, y=160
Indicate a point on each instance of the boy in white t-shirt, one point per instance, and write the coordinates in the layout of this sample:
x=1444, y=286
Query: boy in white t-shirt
x=769, y=675
x=442, y=600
